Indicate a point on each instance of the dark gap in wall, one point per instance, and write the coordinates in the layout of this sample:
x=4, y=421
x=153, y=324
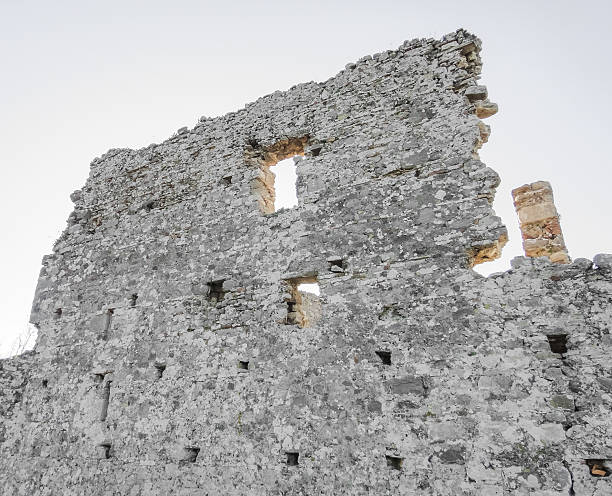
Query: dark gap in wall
x=558, y=343
x=243, y=365
x=45, y=383
x=98, y=378
x=150, y=206
x=108, y=316
x=227, y=180
x=336, y=265
x=215, y=290
x=385, y=357
x=105, y=450
x=105, y=400
x=133, y=299
x=315, y=150
x=598, y=468
x=191, y=454
x=57, y=314
x=159, y=370
x=292, y=458
x=394, y=462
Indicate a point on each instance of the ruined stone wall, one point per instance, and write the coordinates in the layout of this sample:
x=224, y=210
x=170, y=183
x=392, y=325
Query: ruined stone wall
x=175, y=356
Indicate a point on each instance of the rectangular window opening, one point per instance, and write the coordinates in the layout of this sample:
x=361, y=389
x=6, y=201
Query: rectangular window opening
x=558, y=343
x=394, y=462
x=57, y=313
x=215, y=290
x=227, y=180
x=292, y=458
x=276, y=189
x=304, y=304
x=242, y=365
x=598, y=468
x=385, y=357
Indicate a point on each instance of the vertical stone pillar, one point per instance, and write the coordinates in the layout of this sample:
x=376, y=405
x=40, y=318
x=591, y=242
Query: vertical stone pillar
x=539, y=222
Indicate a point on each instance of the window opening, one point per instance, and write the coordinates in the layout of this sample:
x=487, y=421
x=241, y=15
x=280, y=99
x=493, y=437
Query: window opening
x=275, y=186
x=243, y=365
x=285, y=184
x=303, y=304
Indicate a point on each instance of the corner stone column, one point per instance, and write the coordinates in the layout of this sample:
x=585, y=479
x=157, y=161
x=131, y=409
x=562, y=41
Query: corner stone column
x=539, y=222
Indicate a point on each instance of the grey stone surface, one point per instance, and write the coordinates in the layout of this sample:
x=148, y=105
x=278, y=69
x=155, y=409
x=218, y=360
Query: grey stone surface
x=185, y=362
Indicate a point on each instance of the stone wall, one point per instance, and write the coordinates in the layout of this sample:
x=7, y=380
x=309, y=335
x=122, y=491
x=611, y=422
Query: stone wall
x=172, y=358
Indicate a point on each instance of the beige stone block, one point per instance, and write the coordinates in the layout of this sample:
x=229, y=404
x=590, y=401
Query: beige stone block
x=536, y=213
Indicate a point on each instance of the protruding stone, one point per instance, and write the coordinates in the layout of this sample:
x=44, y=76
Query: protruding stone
x=539, y=222
x=475, y=93
x=485, y=109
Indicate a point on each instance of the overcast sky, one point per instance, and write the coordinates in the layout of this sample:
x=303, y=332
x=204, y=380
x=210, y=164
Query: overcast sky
x=80, y=77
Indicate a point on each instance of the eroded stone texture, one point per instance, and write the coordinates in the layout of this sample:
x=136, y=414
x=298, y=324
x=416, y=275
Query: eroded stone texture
x=172, y=367
x=539, y=222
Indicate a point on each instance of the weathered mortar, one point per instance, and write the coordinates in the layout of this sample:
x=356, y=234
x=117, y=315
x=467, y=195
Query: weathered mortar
x=172, y=367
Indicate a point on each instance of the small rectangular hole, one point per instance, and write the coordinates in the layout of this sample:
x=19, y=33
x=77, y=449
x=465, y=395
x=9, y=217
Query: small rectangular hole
x=227, y=180
x=336, y=265
x=292, y=458
x=243, y=365
x=104, y=451
x=385, y=357
x=215, y=290
x=57, y=313
x=598, y=468
x=108, y=317
x=315, y=150
x=558, y=343
x=133, y=299
x=191, y=454
x=394, y=462
x=105, y=401
x=159, y=370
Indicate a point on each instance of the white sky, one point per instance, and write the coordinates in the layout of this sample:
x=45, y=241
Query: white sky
x=80, y=77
